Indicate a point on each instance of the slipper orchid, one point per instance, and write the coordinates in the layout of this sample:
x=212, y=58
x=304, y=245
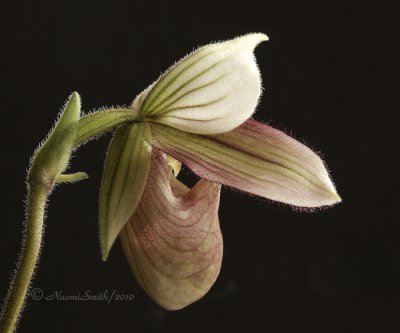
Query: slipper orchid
x=197, y=112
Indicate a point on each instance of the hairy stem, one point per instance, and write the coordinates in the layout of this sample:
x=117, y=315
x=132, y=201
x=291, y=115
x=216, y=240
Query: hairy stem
x=37, y=196
x=97, y=123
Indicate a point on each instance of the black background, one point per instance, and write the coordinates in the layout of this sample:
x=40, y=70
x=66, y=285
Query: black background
x=331, y=77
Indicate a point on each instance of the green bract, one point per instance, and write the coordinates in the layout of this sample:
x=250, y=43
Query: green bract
x=51, y=159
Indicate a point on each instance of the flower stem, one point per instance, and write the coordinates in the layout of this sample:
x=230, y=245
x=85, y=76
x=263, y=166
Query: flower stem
x=37, y=197
x=97, y=123
x=47, y=169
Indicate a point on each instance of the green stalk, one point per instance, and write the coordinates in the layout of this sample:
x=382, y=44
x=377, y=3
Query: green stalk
x=37, y=197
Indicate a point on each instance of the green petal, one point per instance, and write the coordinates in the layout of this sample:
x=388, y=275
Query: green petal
x=124, y=178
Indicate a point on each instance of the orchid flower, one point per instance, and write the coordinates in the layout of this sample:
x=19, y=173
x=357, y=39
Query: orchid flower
x=197, y=113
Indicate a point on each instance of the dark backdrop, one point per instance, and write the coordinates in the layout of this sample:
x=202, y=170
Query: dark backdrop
x=331, y=77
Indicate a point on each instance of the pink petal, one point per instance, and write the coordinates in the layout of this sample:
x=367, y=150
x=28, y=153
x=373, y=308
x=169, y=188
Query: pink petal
x=173, y=241
x=255, y=158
